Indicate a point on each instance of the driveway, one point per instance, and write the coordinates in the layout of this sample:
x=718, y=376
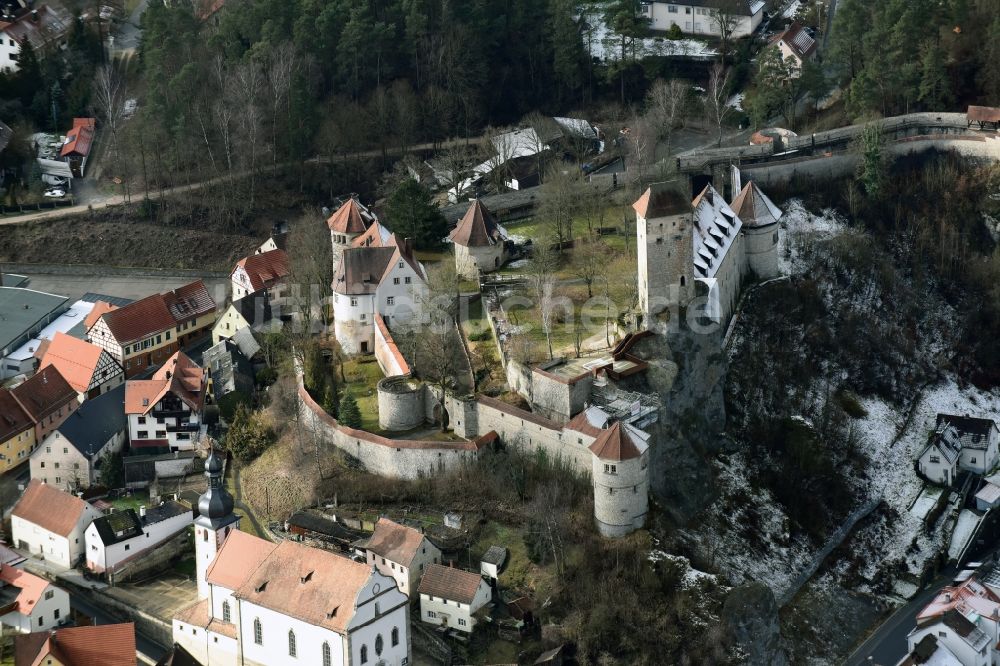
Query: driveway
x=129, y=31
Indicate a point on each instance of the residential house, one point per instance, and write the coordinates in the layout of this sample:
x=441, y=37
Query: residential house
x=76, y=148
x=980, y=440
x=48, y=399
x=70, y=457
x=30, y=603
x=959, y=443
x=702, y=17
x=144, y=334
x=266, y=603
x=480, y=243
x=252, y=313
x=49, y=522
x=972, y=603
x=369, y=281
x=929, y=651
x=264, y=271
x=796, y=45
x=278, y=240
x=44, y=27
x=450, y=597
x=104, y=644
x=165, y=411
x=229, y=371
x=17, y=432
x=26, y=313
x=123, y=536
x=400, y=552
x=88, y=368
x=958, y=634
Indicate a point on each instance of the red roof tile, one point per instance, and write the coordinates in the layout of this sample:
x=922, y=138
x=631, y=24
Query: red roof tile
x=79, y=138
x=49, y=508
x=100, y=307
x=75, y=359
x=395, y=542
x=31, y=587
x=104, y=644
x=159, y=312
x=179, y=375
x=615, y=444
x=659, y=200
x=349, y=219
x=477, y=228
x=239, y=557
x=265, y=269
x=13, y=419
x=450, y=583
x=45, y=393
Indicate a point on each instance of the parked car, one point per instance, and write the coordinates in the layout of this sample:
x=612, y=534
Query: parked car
x=55, y=193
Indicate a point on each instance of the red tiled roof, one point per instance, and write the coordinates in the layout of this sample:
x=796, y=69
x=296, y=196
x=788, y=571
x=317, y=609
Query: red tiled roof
x=178, y=375
x=391, y=345
x=206, y=8
x=13, y=419
x=79, y=138
x=450, y=583
x=361, y=269
x=315, y=586
x=615, y=444
x=349, y=219
x=100, y=307
x=580, y=423
x=45, y=393
x=477, y=228
x=239, y=557
x=159, y=312
x=265, y=269
x=798, y=41
x=984, y=114
x=395, y=542
x=47, y=27
x=376, y=236
x=104, y=644
x=49, y=508
x=75, y=359
x=31, y=587
x=660, y=200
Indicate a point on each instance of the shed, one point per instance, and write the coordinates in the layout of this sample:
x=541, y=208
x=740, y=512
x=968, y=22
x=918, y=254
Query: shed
x=983, y=116
x=492, y=562
x=988, y=497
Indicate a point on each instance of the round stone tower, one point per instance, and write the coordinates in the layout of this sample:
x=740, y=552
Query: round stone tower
x=214, y=522
x=350, y=221
x=760, y=225
x=621, y=480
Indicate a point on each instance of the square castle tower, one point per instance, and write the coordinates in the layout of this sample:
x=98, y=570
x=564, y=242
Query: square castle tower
x=664, y=245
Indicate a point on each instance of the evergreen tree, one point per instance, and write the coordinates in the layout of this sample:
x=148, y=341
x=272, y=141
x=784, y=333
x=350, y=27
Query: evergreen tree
x=330, y=400
x=247, y=436
x=935, y=93
x=989, y=75
x=412, y=214
x=112, y=468
x=567, y=47
x=349, y=414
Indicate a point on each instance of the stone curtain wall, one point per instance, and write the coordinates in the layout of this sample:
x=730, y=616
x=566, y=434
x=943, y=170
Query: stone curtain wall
x=393, y=458
x=401, y=403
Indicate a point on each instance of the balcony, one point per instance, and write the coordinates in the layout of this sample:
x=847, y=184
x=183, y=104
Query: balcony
x=176, y=413
x=193, y=426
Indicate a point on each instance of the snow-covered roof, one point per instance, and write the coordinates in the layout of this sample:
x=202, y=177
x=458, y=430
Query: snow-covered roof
x=947, y=441
x=989, y=493
x=62, y=324
x=577, y=127
x=716, y=227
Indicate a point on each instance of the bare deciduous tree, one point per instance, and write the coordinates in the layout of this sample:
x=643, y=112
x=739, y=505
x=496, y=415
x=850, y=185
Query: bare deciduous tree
x=559, y=204
x=665, y=105
x=109, y=96
x=717, y=97
x=542, y=275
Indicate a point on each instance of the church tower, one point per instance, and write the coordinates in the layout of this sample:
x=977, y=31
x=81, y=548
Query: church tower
x=665, y=248
x=215, y=522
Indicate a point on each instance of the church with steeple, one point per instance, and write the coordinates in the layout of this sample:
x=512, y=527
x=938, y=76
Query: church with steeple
x=267, y=604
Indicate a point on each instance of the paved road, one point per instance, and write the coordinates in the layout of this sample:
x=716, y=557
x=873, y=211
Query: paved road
x=121, y=286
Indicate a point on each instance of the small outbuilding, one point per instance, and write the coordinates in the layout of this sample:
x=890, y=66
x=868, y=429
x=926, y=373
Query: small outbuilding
x=492, y=563
x=480, y=243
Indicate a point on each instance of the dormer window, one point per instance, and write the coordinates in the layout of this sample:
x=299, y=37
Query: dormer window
x=332, y=614
x=306, y=578
x=261, y=587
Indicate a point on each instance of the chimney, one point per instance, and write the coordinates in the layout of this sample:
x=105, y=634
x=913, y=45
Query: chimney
x=34, y=15
x=408, y=246
x=142, y=511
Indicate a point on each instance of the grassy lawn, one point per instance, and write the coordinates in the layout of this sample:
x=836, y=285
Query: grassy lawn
x=133, y=501
x=474, y=321
x=362, y=377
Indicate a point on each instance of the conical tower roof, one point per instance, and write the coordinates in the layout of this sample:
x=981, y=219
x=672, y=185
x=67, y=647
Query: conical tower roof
x=754, y=208
x=615, y=444
x=477, y=228
x=349, y=219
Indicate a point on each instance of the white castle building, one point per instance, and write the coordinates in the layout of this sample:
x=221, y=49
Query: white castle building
x=376, y=276
x=480, y=243
x=266, y=604
x=706, y=242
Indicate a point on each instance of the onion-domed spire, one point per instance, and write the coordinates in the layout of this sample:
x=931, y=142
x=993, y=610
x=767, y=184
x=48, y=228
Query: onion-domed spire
x=216, y=502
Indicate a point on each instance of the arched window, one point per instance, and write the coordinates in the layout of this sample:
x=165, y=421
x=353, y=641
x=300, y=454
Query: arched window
x=258, y=632
x=364, y=654
x=225, y=612
x=291, y=643
x=379, y=644
x=327, y=657
x=683, y=280
x=395, y=636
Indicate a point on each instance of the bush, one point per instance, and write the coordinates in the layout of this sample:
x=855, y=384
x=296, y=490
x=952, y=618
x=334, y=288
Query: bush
x=266, y=377
x=481, y=336
x=349, y=414
x=248, y=435
x=848, y=402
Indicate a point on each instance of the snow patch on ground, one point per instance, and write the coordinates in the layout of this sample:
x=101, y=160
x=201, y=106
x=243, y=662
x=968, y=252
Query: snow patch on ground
x=604, y=44
x=792, y=10
x=736, y=101
x=800, y=229
x=966, y=525
x=928, y=498
x=691, y=577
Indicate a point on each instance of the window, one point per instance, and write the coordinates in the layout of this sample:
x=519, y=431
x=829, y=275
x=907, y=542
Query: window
x=406, y=280
x=142, y=434
x=973, y=461
x=395, y=636
x=461, y=622
x=48, y=449
x=935, y=459
x=58, y=479
x=49, y=594
x=65, y=450
x=610, y=469
x=395, y=280
x=354, y=302
x=55, y=615
x=41, y=621
x=258, y=631
x=431, y=614
x=390, y=300
x=364, y=654
x=401, y=264
x=671, y=9
x=57, y=464
x=43, y=464
x=327, y=657
x=204, y=535
x=291, y=643
x=377, y=613
x=379, y=644
x=127, y=546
